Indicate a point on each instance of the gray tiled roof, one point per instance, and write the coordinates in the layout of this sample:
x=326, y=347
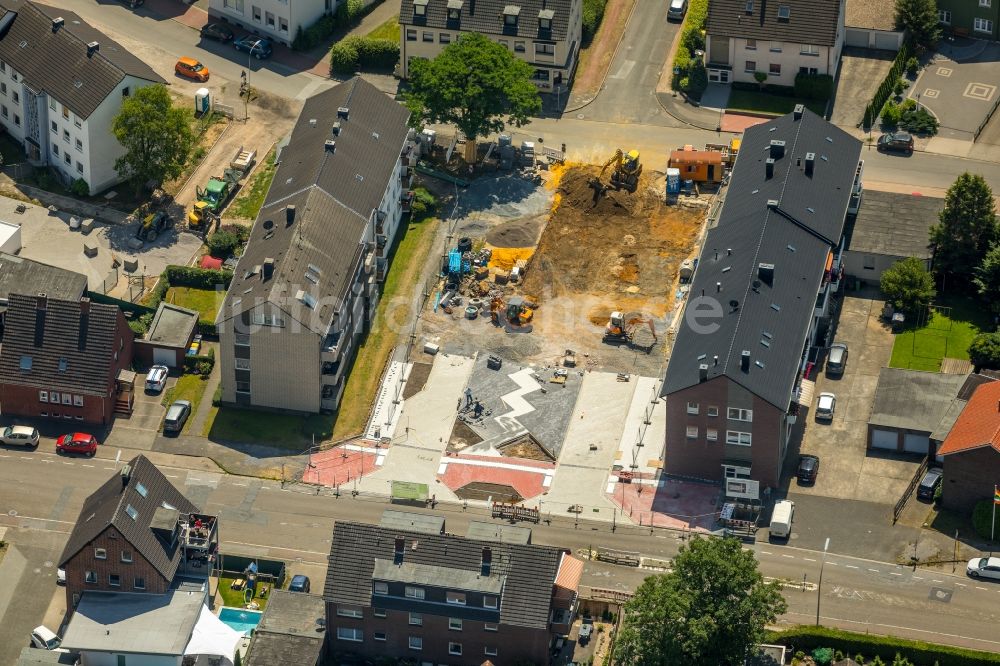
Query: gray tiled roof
x=809, y=21
x=107, y=506
x=913, y=399
x=334, y=194
x=895, y=224
x=291, y=631
x=749, y=233
x=487, y=17
x=59, y=332
x=56, y=62
x=19, y=276
x=530, y=569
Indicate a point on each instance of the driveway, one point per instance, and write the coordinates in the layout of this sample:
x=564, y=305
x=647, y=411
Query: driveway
x=861, y=73
x=960, y=94
x=139, y=430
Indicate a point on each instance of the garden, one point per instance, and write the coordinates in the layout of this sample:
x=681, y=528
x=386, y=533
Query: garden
x=943, y=330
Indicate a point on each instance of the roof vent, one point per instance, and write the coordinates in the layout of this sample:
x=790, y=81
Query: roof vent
x=777, y=149
x=810, y=163
x=766, y=273
x=267, y=271
x=312, y=122
x=57, y=23
x=745, y=360
x=330, y=145
x=769, y=168
x=702, y=372
x=772, y=203
x=343, y=112
x=336, y=128
x=93, y=48
x=289, y=215
x=797, y=112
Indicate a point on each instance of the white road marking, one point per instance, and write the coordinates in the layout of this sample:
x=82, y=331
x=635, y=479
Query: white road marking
x=875, y=570
x=171, y=476
x=894, y=573
x=791, y=557
x=961, y=584
x=935, y=580
x=981, y=588
x=850, y=566
x=809, y=559
x=917, y=578
x=765, y=552
x=241, y=485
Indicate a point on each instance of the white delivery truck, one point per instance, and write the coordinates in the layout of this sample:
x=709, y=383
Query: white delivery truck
x=781, y=519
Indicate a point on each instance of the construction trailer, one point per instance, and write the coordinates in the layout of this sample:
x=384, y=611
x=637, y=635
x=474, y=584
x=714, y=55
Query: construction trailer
x=700, y=166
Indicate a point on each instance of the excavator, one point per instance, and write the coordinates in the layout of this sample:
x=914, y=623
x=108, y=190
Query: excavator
x=515, y=310
x=630, y=328
x=625, y=176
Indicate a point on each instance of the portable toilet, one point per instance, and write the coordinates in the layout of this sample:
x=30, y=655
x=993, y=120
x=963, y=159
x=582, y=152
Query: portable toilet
x=202, y=101
x=673, y=181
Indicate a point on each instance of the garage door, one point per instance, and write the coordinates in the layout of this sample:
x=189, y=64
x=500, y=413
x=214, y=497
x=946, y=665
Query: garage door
x=857, y=37
x=916, y=443
x=167, y=357
x=887, y=40
x=884, y=439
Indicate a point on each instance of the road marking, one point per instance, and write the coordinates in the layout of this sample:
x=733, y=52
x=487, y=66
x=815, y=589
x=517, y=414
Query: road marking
x=171, y=476
x=241, y=485
x=86, y=465
x=895, y=573
x=917, y=578
x=850, y=566
x=26, y=458
x=765, y=552
x=961, y=584
x=834, y=564
x=809, y=559
x=111, y=468
x=982, y=588
x=875, y=570
x=791, y=557
x=935, y=580
x=191, y=478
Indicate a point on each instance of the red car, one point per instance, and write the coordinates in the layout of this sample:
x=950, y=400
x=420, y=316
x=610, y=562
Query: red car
x=77, y=442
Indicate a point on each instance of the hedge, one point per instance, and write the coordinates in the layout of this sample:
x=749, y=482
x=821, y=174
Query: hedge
x=198, y=278
x=593, y=14
x=813, y=86
x=347, y=15
x=195, y=364
x=887, y=86
x=808, y=638
x=982, y=519
x=354, y=53
x=689, y=72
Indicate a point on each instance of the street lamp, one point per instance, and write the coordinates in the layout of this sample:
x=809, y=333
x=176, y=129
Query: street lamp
x=246, y=79
x=819, y=587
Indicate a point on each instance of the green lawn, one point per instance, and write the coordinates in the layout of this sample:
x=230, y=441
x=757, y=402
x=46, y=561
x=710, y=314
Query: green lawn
x=257, y=427
x=205, y=301
x=235, y=598
x=251, y=197
x=761, y=102
x=922, y=345
x=388, y=30
x=188, y=387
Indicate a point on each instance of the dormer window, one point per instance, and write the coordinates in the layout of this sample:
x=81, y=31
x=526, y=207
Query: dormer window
x=545, y=19
x=784, y=12
x=749, y=7
x=454, y=10
x=510, y=14
x=420, y=7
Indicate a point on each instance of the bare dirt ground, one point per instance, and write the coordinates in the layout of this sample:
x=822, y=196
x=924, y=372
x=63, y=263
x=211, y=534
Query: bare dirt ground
x=595, y=59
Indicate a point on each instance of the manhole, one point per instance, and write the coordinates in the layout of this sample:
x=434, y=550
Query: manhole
x=940, y=594
x=580, y=116
x=49, y=563
x=12, y=512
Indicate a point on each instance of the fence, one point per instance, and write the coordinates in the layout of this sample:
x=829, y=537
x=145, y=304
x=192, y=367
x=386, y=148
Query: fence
x=982, y=125
x=898, y=508
x=515, y=512
x=109, y=283
x=874, y=107
x=19, y=171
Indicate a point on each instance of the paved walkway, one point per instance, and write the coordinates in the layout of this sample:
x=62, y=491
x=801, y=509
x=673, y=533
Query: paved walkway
x=205, y=406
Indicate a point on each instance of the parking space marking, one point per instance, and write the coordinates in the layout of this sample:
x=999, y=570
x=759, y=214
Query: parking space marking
x=982, y=91
x=850, y=566
x=917, y=578
x=961, y=584
x=86, y=465
x=931, y=93
x=791, y=557
x=982, y=588
x=935, y=580
x=765, y=552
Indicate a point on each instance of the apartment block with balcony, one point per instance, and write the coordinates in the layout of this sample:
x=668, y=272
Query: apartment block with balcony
x=544, y=33
x=779, y=38
x=758, y=311
x=279, y=20
x=62, y=82
x=306, y=288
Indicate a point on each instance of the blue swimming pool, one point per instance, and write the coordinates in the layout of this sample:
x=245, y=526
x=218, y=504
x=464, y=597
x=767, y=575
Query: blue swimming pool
x=240, y=619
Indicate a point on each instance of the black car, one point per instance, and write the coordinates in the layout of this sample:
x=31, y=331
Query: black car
x=929, y=484
x=901, y=142
x=218, y=32
x=808, y=468
x=299, y=583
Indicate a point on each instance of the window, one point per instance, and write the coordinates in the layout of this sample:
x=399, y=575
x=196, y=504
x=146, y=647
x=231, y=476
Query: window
x=455, y=648
x=455, y=598
x=236, y=5
x=428, y=36
x=545, y=49
x=775, y=47
x=455, y=623
x=379, y=636
x=444, y=38
x=750, y=66
x=984, y=3
x=139, y=583
x=692, y=408
x=141, y=489
x=809, y=49
x=379, y=612
x=55, y=127
x=419, y=10
x=980, y=25
x=736, y=414
x=13, y=76
x=411, y=35
x=784, y=13
x=132, y=513
x=17, y=119
x=242, y=364
x=90, y=577
x=713, y=411
x=3, y=111
x=114, y=580
x=416, y=620
x=349, y=634
x=416, y=643
x=414, y=592
x=79, y=145
x=282, y=24
x=490, y=651
x=739, y=438
x=510, y=19
x=54, y=396
x=774, y=69
x=127, y=556
x=256, y=13
x=490, y=601
x=66, y=135
x=77, y=121
x=79, y=167
x=125, y=91
x=242, y=340
x=868, y=262
x=15, y=97
x=269, y=19
x=43, y=396
x=944, y=16
x=454, y=14
x=692, y=432
x=67, y=399
x=751, y=45
x=3, y=90
x=504, y=43
x=349, y=611
x=55, y=148
x=544, y=24
x=490, y=626
x=811, y=71
x=381, y=588
x=100, y=553
x=711, y=434
x=242, y=387
x=541, y=75
x=518, y=47
x=65, y=112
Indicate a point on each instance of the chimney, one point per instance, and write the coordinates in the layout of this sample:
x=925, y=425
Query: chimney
x=57, y=23
x=718, y=287
x=268, y=270
x=766, y=273
x=487, y=561
x=330, y=145
x=777, y=149
x=715, y=360
x=84, y=305
x=289, y=215
x=336, y=128
x=797, y=112
x=398, y=548
x=769, y=168
x=745, y=360
x=702, y=372
x=810, y=163
x=343, y=112
x=93, y=48
x=126, y=474
x=41, y=301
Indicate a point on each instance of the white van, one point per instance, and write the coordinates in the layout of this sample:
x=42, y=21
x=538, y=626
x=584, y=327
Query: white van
x=781, y=519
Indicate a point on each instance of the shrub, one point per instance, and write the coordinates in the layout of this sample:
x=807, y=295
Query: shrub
x=140, y=325
x=885, y=88
x=222, y=244
x=891, y=114
x=918, y=121
x=80, y=188
x=201, y=364
x=982, y=519
x=354, y=53
x=697, y=78
x=912, y=65
x=203, y=368
x=593, y=14
x=813, y=86
x=692, y=38
x=423, y=204
x=984, y=351
x=241, y=231
x=822, y=656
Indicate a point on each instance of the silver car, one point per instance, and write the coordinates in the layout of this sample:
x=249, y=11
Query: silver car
x=836, y=362
x=984, y=567
x=825, y=406
x=19, y=436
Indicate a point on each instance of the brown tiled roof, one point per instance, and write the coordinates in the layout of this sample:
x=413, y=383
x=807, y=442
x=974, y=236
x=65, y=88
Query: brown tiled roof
x=808, y=22
x=979, y=423
x=875, y=14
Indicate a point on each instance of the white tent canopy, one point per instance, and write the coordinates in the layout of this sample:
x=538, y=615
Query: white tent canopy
x=211, y=636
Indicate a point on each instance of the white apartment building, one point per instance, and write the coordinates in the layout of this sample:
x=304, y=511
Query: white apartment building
x=279, y=20
x=777, y=37
x=61, y=84
x=544, y=33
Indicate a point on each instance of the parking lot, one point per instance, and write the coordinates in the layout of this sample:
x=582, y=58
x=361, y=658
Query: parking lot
x=960, y=94
x=861, y=72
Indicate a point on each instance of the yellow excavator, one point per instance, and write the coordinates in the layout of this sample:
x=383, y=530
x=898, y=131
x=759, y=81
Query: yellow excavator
x=631, y=328
x=625, y=176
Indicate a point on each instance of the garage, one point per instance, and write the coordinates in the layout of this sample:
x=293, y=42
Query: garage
x=165, y=357
x=884, y=439
x=888, y=41
x=168, y=338
x=913, y=443
x=857, y=37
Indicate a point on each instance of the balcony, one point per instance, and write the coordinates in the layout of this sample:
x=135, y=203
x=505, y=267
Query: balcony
x=406, y=198
x=330, y=352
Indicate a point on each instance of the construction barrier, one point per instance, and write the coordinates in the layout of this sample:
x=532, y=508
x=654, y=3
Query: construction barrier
x=515, y=512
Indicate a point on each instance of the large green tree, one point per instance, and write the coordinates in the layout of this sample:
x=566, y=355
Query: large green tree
x=908, y=285
x=984, y=351
x=475, y=84
x=987, y=277
x=156, y=135
x=967, y=228
x=711, y=609
x=920, y=18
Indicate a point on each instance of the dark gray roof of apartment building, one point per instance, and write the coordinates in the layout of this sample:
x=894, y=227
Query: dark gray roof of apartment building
x=530, y=569
x=434, y=575
x=809, y=21
x=412, y=521
x=334, y=193
x=913, y=399
x=53, y=343
x=770, y=321
x=487, y=17
x=108, y=506
x=894, y=224
x=56, y=61
x=24, y=276
x=291, y=631
x=172, y=326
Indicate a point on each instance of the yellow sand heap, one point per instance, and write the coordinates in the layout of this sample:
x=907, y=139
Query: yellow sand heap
x=505, y=258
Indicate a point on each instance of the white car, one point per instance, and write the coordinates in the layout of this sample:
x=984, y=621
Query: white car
x=60, y=576
x=156, y=380
x=825, y=406
x=44, y=638
x=19, y=436
x=984, y=567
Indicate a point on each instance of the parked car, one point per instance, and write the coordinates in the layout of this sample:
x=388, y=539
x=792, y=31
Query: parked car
x=677, y=10
x=299, y=583
x=156, y=379
x=60, y=576
x=825, y=406
x=44, y=638
x=901, y=142
x=781, y=519
x=836, y=362
x=19, y=436
x=177, y=415
x=258, y=47
x=585, y=631
x=984, y=567
x=217, y=31
x=192, y=69
x=808, y=469
x=77, y=442
x=929, y=484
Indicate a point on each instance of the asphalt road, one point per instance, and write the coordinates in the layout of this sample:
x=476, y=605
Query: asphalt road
x=41, y=495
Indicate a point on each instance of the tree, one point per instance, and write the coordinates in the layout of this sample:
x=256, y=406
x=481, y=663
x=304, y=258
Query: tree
x=984, y=351
x=920, y=18
x=760, y=78
x=477, y=85
x=967, y=229
x=712, y=608
x=987, y=276
x=907, y=285
x=157, y=137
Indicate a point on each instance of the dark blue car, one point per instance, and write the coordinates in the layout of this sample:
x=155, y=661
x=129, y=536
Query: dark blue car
x=258, y=47
x=299, y=583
